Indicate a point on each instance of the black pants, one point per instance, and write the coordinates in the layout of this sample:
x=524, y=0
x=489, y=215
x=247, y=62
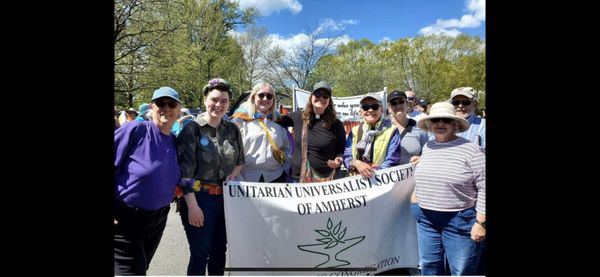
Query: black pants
x=136, y=237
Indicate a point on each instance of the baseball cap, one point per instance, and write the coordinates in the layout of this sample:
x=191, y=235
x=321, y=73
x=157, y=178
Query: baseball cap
x=166, y=92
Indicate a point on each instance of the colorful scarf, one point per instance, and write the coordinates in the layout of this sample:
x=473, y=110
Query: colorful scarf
x=365, y=145
x=242, y=114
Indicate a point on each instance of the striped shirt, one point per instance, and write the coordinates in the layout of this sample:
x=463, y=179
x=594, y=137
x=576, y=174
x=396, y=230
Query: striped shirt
x=450, y=176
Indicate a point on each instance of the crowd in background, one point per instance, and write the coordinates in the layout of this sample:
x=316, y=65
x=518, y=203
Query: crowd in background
x=163, y=153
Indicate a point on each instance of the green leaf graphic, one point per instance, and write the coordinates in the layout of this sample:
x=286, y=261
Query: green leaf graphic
x=337, y=228
x=327, y=240
x=342, y=234
x=332, y=244
x=329, y=223
x=324, y=233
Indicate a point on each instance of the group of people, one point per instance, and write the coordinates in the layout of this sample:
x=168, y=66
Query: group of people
x=156, y=163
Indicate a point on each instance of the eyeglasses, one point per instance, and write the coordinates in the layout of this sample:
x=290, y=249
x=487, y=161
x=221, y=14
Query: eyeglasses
x=319, y=94
x=399, y=102
x=410, y=98
x=464, y=102
x=263, y=95
x=161, y=103
x=445, y=120
x=366, y=107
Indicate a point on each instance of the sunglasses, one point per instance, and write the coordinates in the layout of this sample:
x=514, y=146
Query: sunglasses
x=464, y=102
x=410, y=98
x=445, y=120
x=366, y=107
x=162, y=103
x=263, y=95
x=319, y=94
x=399, y=102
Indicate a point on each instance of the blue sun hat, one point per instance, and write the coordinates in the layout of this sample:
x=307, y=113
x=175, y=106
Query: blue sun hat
x=144, y=107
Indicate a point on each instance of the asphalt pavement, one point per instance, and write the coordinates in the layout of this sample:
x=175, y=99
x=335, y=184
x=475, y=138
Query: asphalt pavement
x=172, y=256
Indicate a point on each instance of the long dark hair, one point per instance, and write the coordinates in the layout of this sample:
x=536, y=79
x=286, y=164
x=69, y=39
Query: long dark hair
x=328, y=117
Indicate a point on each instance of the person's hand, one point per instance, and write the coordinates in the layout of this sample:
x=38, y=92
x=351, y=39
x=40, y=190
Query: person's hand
x=414, y=160
x=195, y=215
x=413, y=197
x=364, y=169
x=477, y=233
x=230, y=177
x=335, y=163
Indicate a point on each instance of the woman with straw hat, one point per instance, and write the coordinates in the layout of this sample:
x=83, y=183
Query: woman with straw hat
x=450, y=195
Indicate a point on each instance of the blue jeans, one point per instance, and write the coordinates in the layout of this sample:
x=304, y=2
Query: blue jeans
x=446, y=234
x=208, y=243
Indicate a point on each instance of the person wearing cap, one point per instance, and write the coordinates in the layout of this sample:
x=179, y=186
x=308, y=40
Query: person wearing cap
x=210, y=152
x=465, y=101
x=412, y=138
x=373, y=144
x=183, y=119
x=421, y=106
x=146, y=173
x=144, y=109
x=319, y=137
x=450, y=196
x=267, y=148
x=411, y=96
x=127, y=116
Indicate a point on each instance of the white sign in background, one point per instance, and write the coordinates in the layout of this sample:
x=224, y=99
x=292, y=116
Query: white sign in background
x=351, y=222
x=347, y=108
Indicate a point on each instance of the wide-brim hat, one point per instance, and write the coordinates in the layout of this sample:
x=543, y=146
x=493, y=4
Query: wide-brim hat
x=144, y=108
x=443, y=110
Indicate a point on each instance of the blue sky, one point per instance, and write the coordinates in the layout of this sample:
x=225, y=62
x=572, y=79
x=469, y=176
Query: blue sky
x=376, y=20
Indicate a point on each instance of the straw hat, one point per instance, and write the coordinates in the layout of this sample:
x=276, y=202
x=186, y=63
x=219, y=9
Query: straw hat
x=443, y=110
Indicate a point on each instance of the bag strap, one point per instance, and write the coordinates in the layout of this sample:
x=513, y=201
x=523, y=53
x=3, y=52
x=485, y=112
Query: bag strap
x=406, y=130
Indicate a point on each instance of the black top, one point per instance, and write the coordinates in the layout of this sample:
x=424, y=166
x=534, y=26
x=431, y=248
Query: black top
x=323, y=144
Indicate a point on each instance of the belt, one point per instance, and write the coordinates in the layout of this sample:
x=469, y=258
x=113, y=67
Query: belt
x=124, y=207
x=211, y=188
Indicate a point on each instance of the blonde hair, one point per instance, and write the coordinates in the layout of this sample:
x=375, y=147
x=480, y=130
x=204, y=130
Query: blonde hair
x=251, y=105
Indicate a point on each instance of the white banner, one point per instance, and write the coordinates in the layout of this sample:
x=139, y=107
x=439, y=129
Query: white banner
x=354, y=222
x=347, y=108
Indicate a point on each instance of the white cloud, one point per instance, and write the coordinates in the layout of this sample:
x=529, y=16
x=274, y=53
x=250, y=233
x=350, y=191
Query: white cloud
x=475, y=15
x=386, y=39
x=266, y=7
x=291, y=43
x=329, y=24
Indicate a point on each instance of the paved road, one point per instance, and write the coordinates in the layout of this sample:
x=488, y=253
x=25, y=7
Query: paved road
x=173, y=253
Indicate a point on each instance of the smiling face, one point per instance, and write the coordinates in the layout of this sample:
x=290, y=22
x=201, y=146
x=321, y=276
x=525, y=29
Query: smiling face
x=398, y=107
x=370, y=111
x=264, y=100
x=320, y=101
x=216, y=103
x=165, y=111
